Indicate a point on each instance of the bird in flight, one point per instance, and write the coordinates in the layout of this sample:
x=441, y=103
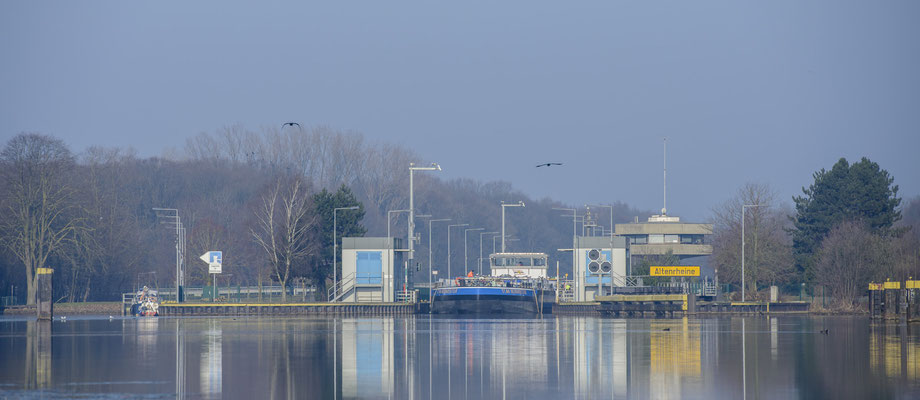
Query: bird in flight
x=549, y=164
x=291, y=124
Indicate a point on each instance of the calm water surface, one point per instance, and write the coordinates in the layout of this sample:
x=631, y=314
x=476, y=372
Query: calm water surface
x=429, y=357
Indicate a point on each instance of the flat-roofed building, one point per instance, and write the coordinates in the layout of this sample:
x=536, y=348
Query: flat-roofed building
x=372, y=269
x=662, y=233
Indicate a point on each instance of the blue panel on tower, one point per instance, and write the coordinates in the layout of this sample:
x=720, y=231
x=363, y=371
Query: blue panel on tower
x=369, y=267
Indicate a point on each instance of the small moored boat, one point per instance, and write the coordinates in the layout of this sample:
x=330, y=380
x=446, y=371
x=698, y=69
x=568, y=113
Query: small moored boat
x=146, y=303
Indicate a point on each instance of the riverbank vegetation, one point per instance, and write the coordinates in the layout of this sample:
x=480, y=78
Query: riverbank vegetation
x=265, y=198
x=845, y=231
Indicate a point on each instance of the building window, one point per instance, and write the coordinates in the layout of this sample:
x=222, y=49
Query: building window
x=655, y=239
x=640, y=239
x=691, y=239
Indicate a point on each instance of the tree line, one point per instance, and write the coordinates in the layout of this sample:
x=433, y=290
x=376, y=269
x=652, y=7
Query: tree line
x=264, y=198
x=845, y=230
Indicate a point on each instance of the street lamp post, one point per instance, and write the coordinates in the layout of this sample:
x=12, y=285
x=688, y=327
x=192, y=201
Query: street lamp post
x=390, y=241
x=412, y=169
x=335, y=244
x=743, y=208
x=519, y=204
x=448, y=246
x=480, y=248
x=466, y=264
x=574, y=235
x=429, y=249
x=180, y=248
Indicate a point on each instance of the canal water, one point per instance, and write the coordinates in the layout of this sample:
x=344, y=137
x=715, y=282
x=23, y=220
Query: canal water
x=420, y=357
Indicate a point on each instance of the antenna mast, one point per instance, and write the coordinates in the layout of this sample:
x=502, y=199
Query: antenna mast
x=664, y=208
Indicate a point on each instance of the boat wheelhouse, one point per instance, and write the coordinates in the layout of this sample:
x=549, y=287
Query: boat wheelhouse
x=529, y=265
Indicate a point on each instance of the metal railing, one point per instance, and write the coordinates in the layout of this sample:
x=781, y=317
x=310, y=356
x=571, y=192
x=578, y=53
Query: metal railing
x=235, y=294
x=7, y=301
x=341, y=287
x=406, y=296
x=621, y=280
x=566, y=291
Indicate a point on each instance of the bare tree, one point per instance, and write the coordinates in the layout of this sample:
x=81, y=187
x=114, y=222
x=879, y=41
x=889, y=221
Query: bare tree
x=849, y=257
x=905, y=256
x=768, y=252
x=37, y=200
x=284, y=219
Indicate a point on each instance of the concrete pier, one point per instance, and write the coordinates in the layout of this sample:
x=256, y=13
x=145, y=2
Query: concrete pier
x=44, y=301
x=289, y=309
x=894, y=301
x=658, y=305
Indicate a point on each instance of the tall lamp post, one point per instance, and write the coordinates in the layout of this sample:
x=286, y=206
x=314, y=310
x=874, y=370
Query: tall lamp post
x=466, y=264
x=390, y=242
x=412, y=169
x=518, y=204
x=448, y=246
x=574, y=235
x=430, y=221
x=180, y=246
x=480, y=248
x=335, y=243
x=743, y=208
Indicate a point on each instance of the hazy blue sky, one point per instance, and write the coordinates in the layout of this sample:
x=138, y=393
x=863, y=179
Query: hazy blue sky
x=765, y=91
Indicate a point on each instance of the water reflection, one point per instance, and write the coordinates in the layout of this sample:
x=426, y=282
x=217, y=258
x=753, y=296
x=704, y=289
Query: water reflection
x=211, y=370
x=892, y=354
x=38, y=355
x=367, y=357
x=432, y=357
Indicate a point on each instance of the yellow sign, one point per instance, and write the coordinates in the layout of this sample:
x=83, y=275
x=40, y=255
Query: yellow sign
x=892, y=285
x=677, y=270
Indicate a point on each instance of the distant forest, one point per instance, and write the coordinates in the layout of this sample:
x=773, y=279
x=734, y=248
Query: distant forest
x=103, y=236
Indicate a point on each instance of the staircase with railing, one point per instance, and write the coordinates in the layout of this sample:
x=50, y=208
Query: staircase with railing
x=622, y=280
x=341, y=288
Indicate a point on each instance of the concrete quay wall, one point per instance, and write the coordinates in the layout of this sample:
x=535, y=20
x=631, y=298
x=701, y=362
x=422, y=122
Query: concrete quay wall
x=208, y=309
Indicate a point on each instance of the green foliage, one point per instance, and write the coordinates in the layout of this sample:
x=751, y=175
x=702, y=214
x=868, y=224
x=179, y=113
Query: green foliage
x=347, y=224
x=861, y=191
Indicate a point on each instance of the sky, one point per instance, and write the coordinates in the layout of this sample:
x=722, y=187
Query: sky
x=761, y=92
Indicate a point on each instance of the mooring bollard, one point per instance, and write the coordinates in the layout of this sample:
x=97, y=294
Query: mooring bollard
x=876, y=299
x=44, y=303
x=892, y=292
x=912, y=288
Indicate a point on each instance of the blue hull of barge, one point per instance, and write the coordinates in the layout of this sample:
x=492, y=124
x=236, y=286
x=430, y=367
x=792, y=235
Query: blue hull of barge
x=483, y=300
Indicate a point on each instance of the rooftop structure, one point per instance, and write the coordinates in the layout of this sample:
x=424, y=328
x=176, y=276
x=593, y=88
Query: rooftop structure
x=664, y=232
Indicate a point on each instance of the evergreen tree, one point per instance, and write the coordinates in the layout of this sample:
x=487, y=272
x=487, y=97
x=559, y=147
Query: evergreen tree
x=862, y=191
x=347, y=224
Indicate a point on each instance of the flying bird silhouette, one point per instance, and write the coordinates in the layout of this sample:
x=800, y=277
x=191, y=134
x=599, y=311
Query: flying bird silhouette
x=549, y=164
x=291, y=124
